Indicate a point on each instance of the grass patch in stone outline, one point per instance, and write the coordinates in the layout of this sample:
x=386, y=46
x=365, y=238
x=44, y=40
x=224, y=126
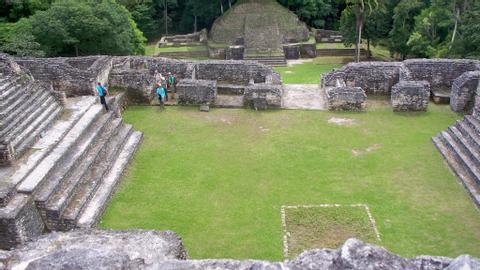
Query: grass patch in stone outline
x=325, y=226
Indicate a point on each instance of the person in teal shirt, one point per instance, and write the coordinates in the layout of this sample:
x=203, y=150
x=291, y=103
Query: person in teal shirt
x=161, y=94
x=102, y=93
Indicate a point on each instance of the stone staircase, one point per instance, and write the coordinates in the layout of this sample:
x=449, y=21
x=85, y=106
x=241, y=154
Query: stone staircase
x=27, y=109
x=68, y=180
x=273, y=61
x=460, y=146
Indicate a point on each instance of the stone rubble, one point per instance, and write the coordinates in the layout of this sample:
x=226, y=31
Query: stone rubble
x=151, y=250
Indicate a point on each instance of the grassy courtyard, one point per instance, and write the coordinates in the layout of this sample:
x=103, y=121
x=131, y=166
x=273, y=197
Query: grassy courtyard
x=219, y=179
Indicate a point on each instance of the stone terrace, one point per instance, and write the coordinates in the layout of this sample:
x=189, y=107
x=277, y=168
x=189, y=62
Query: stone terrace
x=70, y=166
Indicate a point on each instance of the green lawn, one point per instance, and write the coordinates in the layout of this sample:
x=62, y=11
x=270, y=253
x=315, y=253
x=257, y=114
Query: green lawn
x=309, y=72
x=219, y=179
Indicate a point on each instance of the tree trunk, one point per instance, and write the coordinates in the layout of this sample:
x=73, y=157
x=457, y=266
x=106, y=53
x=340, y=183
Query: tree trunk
x=166, y=18
x=229, y=3
x=76, y=50
x=221, y=7
x=359, y=42
x=369, y=53
x=457, y=17
x=195, y=24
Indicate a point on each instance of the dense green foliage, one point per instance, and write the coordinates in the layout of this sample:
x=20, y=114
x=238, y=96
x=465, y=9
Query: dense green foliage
x=72, y=27
x=417, y=28
x=409, y=28
x=219, y=179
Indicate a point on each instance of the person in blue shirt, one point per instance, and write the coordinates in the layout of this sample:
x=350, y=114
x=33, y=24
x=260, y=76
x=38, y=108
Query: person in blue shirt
x=102, y=93
x=161, y=94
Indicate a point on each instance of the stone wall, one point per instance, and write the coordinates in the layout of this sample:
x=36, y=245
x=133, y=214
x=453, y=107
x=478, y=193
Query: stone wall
x=345, y=98
x=410, y=96
x=74, y=76
x=135, y=75
x=196, y=92
x=322, y=35
x=235, y=52
x=440, y=73
x=373, y=77
x=464, y=88
x=185, y=39
x=476, y=108
x=149, y=250
x=263, y=96
x=379, y=77
x=238, y=72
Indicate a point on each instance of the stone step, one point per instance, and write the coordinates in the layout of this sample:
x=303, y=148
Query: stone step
x=65, y=191
x=11, y=108
x=37, y=176
x=38, y=133
x=36, y=126
x=45, y=145
x=468, y=182
x=53, y=136
x=13, y=135
x=469, y=148
x=463, y=158
x=72, y=159
x=471, y=134
x=30, y=105
x=7, y=86
x=93, y=178
x=21, y=92
x=98, y=203
x=473, y=122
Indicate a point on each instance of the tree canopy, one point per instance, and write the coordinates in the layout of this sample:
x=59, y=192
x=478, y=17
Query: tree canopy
x=408, y=28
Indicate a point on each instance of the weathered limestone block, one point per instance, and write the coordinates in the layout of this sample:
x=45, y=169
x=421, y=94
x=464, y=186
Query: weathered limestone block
x=217, y=53
x=8, y=66
x=476, y=108
x=239, y=72
x=464, y=262
x=263, y=96
x=75, y=76
x=196, y=92
x=292, y=51
x=431, y=262
x=345, y=98
x=98, y=249
x=410, y=96
x=322, y=35
x=440, y=73
x=373, y=77
x=308, y=50
x=139, y=85
x=19, y=221
x=234, y=53
x=462, y=98
x=150, y=250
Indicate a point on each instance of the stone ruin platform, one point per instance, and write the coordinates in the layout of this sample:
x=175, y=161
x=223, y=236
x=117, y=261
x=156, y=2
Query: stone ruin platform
x=63, y=158
x=452, y=79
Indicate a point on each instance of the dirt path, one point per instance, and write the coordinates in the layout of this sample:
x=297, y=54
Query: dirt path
x=303, y=96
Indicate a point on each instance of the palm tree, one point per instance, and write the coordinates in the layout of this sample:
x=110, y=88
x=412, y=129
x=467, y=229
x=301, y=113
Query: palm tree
x=361, y=7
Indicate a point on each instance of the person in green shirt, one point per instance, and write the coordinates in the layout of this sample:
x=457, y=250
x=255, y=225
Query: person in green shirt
x=172, y=83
